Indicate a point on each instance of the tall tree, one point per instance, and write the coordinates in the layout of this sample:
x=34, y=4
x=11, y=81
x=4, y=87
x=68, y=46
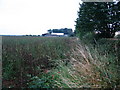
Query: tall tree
x=100, y=16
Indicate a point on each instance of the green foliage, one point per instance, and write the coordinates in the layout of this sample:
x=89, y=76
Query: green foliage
x=88, y=37
x=102, y=62
x=104, y=59
x=60, y=77
x=24, y=56
x=98, y=16
x=8, y=71
x=44, y=62
x=109, y=49
x=41, y=82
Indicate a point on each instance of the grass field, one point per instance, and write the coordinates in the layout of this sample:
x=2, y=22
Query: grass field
x=59, y=62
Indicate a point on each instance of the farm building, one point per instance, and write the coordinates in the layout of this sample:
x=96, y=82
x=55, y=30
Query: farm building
x=59, y=32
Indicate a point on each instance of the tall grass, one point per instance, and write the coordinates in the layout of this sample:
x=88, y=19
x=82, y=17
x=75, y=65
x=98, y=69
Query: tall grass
x=97, y=69
x=87, y=68
x=60, y=63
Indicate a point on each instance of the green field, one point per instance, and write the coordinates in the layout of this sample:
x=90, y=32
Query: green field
x=59, y=62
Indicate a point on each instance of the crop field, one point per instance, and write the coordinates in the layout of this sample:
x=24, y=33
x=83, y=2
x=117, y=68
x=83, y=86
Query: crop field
x=31, y=56
x=58, y=62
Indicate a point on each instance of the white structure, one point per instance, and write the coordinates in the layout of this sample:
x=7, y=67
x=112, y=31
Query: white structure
x=117, y=34
x=57, y=33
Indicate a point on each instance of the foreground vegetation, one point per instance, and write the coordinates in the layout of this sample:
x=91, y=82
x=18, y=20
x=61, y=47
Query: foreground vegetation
x=26, y=57
x=53, y=62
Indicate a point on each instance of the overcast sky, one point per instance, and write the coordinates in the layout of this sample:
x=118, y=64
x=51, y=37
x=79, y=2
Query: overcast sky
x=21, y=17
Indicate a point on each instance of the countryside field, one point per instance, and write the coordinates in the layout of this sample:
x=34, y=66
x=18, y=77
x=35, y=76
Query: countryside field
x=59, y=62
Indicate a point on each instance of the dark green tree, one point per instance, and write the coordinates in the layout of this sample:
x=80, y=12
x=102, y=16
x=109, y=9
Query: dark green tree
x=116, y=17
x=100, y=16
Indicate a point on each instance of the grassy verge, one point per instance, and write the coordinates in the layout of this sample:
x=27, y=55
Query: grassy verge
x=87, y=68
